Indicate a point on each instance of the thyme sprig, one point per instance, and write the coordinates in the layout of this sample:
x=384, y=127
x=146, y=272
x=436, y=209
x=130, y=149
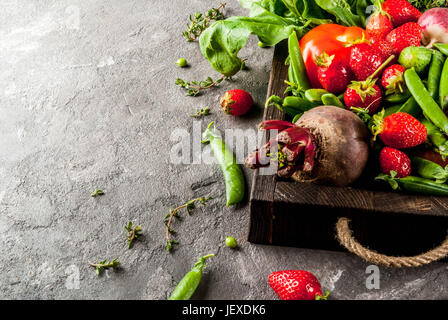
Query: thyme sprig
x=194, y=87
x=174, y=213
x=104, y=265
x=133, y=233
x=201, y=112
x=200, y=21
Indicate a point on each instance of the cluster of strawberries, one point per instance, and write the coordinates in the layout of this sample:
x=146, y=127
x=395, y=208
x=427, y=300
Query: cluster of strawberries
x=390, y=29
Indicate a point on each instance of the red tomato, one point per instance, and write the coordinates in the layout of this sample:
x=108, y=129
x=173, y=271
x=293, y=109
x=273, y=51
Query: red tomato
x=331, y=38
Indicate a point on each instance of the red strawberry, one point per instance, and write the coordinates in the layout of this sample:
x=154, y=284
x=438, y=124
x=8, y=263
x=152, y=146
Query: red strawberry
x=385, y=48
x=401, y=12
x=409, y=34
x=393, y=80
x=379, y=23
x=400, y=130
x=363, y=94
x=392, y=159
x=236, y=102
x=364, y=60
x=296, y=285
x=334, y=74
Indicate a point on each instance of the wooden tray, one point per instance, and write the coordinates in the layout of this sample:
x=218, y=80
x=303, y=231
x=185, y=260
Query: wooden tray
x=304, y=214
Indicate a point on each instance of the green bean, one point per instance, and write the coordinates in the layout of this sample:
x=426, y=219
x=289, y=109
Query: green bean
x=430, y=108
x=233, y=175
x=315, y=95
x=438, y=140
x=443, y=47
x=443, y=88
x=296, y=63
x=398, y=97
x=415, y=185
x=330, y=99
x=429, y=170
x=188, y=284
x=435, y=73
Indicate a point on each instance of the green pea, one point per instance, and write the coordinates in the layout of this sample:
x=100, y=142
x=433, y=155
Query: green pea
x=231, y=242
x=182, y=62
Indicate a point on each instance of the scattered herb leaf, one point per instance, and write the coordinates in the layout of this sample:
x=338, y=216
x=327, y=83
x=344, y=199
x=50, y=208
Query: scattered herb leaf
x=133, y=232
x=200, y=21
x=104, y=265
x=97, y=193
x=201, y=113
x=194, y=87
x=174, y=213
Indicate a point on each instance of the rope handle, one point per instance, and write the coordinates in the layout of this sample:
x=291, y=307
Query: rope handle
x=346, y=239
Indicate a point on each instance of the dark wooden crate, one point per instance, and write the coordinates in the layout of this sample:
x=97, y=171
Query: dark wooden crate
x=304, y=214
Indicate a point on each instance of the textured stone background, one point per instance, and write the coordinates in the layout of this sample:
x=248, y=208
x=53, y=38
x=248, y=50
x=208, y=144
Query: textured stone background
x=88, y=101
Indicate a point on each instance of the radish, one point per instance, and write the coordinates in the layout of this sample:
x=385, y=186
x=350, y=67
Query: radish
x=326, y=145
x=435, y=26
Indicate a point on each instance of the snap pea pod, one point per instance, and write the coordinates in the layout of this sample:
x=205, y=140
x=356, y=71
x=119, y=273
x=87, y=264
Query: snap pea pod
x=438, y=140
x=315, y=95
x=443, y=47
x=443, y=88
x=391, y=110
x=415, y=185
x=429, y=170
x=435, y=73
x=398, y=97
x=233, y=175
x=188, y=284
x=292, y=105
x=296, y=117
x=296, y=63
x=330, y=99
x=430, y=108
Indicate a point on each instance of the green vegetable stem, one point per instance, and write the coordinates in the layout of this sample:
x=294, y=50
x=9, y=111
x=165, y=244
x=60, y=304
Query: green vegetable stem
x=429, y=170
x=415, y=184
x=430, y=108
x=233, y=175
x=435, y=73
x=443, y=88
x=187, y=286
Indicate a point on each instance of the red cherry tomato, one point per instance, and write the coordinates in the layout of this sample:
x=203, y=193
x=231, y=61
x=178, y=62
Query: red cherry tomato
x=331, y=38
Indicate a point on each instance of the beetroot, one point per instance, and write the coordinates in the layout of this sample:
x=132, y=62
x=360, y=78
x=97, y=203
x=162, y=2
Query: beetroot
x=434, y=23
x=326, y=145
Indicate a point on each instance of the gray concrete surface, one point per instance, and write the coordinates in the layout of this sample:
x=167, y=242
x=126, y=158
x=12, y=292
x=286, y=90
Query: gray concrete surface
x=88, y=101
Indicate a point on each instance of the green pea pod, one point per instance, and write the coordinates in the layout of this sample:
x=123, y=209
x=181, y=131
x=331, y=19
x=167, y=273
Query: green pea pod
x=429, y=170
x=398, y=97
x=443, y=87
x=315, y=95
x=411, y=107
x=438, y=140
x=415, y=185
x=430, y=108
x=296, y=63
x=391, y=110
x=330, y=99
x=233, y=175
x=435, y=73
x=187, y=286
x=292, y=105
x=296, y=117
x=443, y=47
